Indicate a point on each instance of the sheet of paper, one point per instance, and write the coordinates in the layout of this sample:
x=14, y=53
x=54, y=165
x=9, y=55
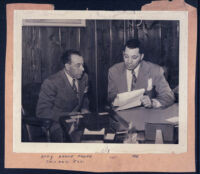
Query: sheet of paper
x=109, y=136
x=77, y=116
x=173, y=120
x=89, y=132
x=134, y=103
x=131, y=98
x=103, y=113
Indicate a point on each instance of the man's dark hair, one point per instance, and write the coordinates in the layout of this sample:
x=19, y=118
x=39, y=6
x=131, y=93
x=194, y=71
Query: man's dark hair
x=133, y=43
x=66, y=57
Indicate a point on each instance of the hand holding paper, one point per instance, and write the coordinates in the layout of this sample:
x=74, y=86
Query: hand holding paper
x=146, y=101
x=128, y=99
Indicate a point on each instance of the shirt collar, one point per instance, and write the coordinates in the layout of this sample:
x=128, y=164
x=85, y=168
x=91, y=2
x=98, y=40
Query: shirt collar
x=136, y=70
x=69, y=77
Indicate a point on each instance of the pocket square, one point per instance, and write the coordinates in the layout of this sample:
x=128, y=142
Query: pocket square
x=149, y=86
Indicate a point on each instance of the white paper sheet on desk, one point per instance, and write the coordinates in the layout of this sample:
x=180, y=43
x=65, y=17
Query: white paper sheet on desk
x=89, y=132
x=128, y=99
x=173, y=120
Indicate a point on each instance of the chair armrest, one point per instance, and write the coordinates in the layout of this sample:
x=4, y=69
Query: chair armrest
x=63, y=124
x=40, y=122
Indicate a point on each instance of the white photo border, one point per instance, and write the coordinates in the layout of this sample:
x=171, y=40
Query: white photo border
x=21, y=147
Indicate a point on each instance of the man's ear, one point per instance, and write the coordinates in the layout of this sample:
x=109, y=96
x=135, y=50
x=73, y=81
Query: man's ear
x=67, y=66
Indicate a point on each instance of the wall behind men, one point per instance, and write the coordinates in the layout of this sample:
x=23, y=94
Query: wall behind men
x=100, y=43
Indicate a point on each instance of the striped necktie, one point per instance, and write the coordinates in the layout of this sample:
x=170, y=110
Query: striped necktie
x=134, y=79
x=74, y=85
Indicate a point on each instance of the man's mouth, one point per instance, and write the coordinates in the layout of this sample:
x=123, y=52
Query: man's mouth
x=79, y=75
x=129, y=66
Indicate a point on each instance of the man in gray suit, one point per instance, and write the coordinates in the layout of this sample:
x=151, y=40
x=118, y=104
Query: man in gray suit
x=64, y=92
x=135, y=73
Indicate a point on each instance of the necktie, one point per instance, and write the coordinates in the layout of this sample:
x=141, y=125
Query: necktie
x=74, y=85
x=133, y=80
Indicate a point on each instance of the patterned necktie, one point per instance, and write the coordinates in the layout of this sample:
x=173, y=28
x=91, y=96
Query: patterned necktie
x=74, y=85
x=134, y=79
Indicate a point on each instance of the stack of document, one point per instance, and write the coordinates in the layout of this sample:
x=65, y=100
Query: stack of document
x=93, y=135
x=128, y=100
x=94, y=132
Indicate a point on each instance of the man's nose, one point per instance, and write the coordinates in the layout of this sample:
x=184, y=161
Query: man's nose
x=129, y=60
x=82, y=68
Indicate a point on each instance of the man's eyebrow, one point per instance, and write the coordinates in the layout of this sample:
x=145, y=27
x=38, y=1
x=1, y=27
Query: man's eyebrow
x=131, y=55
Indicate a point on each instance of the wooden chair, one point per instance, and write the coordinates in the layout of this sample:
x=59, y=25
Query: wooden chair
x=34, y=129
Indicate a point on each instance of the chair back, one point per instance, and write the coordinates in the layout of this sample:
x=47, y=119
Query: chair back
x=30, y=95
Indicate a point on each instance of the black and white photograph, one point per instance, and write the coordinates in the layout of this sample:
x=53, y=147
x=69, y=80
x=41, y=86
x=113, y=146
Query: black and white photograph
x=100, y=82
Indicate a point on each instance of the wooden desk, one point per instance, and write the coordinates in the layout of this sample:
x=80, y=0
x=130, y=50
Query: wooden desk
x=153, y=121
x=140, y=115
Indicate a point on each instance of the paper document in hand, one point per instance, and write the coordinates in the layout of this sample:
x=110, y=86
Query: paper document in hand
x=128, y=99
x=132, y=104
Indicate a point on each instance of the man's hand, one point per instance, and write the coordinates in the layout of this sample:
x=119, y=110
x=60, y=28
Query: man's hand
x=146, y=101
x=84, y=111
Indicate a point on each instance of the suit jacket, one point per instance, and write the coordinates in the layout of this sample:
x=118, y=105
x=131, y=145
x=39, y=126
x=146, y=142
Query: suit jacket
x=57, y=98
x=117, y=82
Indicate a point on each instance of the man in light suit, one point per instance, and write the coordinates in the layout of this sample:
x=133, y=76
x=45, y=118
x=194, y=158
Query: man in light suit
x=135, y=73
x=64, y=92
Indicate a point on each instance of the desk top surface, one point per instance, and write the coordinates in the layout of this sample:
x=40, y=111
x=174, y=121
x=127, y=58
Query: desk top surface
x=140, y=115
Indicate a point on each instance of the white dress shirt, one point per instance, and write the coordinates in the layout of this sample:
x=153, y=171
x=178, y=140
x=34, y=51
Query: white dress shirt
x=71, y=80
x=129, y=76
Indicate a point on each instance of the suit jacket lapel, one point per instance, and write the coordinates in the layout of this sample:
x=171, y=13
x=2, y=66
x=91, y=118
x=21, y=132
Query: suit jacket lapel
x=80, y=95
x=69, y=87
x=66, y=81
x=123, y=79
x=80, y=89
x=143, y=76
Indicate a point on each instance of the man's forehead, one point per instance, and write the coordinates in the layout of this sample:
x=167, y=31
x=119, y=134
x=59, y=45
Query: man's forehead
x=76, y=59
x=131, y=50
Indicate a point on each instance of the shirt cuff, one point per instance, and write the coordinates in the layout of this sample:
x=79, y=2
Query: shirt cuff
x=156, y=103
